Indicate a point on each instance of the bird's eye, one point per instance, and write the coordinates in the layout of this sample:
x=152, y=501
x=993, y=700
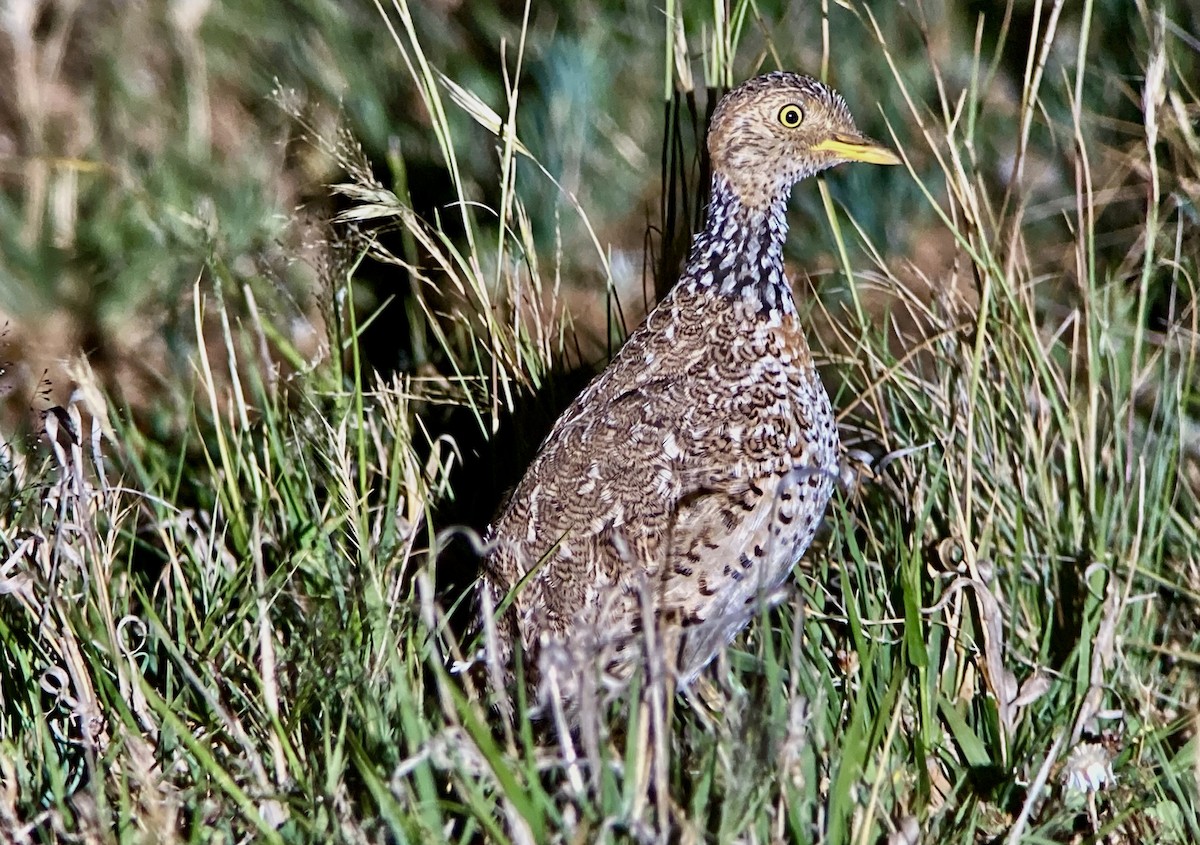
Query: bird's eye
x=791, y=115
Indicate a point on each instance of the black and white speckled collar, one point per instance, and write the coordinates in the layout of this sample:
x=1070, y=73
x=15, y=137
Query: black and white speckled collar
x=739, y=254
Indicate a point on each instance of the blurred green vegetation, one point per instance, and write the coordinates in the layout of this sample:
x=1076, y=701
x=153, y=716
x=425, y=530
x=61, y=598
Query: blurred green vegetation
x=145, y=143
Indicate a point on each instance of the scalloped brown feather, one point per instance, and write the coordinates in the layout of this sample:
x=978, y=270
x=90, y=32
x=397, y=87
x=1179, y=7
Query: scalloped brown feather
x=689, y=477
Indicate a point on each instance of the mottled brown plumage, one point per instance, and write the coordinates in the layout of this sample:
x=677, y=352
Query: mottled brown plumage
x=690, y=476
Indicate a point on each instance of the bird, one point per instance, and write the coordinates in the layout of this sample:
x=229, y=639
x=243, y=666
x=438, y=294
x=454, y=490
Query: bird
x=684, y=483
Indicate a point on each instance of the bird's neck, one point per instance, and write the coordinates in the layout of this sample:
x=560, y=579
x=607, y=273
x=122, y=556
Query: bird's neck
x=739, y=255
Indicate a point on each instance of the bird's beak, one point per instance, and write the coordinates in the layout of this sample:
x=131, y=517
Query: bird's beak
x=857, y=148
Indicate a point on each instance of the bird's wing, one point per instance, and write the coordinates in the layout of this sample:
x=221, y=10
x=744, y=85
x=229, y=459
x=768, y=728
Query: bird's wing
x=621, y=485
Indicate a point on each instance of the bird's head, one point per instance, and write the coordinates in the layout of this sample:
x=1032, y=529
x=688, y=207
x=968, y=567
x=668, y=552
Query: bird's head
x=774, y=130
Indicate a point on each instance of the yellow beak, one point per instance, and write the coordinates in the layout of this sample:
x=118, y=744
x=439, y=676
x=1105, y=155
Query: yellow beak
x=857, y=148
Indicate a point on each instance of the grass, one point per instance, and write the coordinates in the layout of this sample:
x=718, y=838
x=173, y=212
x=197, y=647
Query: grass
x=231, y=603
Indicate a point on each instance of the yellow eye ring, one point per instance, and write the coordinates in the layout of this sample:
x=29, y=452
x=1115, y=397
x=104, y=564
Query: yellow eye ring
x=791, y=115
